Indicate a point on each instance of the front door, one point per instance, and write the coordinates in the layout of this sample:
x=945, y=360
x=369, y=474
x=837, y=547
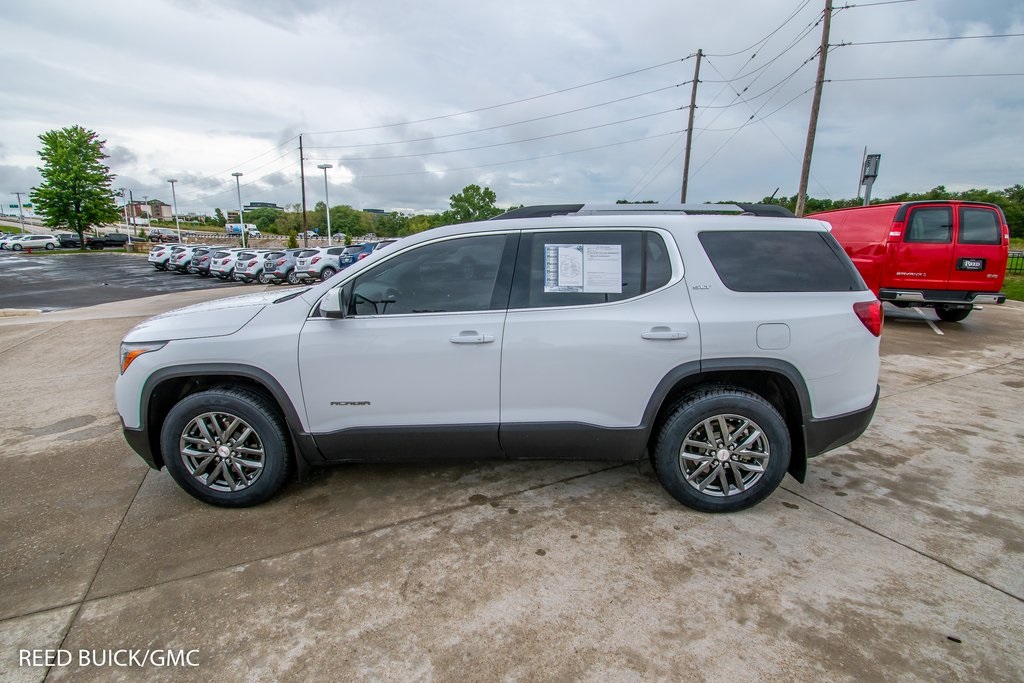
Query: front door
x=412, y=370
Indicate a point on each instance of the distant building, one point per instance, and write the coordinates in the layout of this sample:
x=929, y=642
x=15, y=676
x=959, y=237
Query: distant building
x=374, y=210
x=261, y=205
x=232, y=216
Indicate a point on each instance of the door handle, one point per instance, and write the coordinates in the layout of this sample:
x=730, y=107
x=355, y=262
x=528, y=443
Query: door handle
x=664, y=332
x=471, y=337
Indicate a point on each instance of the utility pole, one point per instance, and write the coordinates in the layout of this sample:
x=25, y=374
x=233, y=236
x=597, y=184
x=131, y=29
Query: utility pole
x=302, y=176
x=805, y=169
x=689, y=126
x=21, y=213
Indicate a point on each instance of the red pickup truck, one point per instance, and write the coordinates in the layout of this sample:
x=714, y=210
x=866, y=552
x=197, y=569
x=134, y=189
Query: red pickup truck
x=946, y=255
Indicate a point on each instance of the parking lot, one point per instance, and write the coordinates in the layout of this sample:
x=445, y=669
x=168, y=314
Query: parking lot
x=72, y=280
x=902, y=556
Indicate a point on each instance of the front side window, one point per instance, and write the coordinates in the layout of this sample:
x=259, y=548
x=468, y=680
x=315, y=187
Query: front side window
x=576, y=268
x=931, y=224
x=443, y=277
x=979, y=226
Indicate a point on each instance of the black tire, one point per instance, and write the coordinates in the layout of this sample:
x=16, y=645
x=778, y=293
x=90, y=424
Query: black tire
x=327, y=273
x=264, y=278
x=16, y=247
x=50, y=247
x=293, y=277
x=689, y=419
x=268, y=434
x=951, y=314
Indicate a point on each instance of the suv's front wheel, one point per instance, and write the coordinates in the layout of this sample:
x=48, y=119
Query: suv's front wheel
x=226, y=446
x=722, y=449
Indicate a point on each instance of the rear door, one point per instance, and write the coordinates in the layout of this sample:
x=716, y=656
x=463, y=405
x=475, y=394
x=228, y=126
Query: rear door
x=979, y=255
x=923, y=255
x=594, y=324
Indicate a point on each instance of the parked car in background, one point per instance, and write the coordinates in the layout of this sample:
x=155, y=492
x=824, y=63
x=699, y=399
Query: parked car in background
x=355, y=252
x=26, y=242
x=112, y=240
x=249, y=266
x=160, y=255
x=8, y=240
x=283, y=269
x=222, y=263
x=68, y=240
x=199, y=264
x=162, y=235
x=946, y=255
x=321, y=265
x=181, y=257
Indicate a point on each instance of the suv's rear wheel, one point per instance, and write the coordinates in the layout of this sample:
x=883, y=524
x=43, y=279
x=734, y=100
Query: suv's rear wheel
x=227, y=447
x=722, y=449
x=952, y=314
x=327, y=273
x=293, y=277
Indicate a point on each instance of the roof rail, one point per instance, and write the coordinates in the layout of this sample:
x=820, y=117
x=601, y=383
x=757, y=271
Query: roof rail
x=548, y=210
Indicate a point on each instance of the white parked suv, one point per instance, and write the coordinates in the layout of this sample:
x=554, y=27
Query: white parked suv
x=727, y=348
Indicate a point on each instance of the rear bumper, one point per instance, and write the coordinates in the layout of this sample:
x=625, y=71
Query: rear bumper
x=823, y=435
x=933, y=297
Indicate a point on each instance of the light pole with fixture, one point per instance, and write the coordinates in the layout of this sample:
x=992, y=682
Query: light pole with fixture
x=327, y=198
x=241, y=218
x=124, y=205
x=174, y=200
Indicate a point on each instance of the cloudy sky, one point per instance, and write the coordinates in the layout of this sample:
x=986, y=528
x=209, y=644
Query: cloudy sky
x=544, y=101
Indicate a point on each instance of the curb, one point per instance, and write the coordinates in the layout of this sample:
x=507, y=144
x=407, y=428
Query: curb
x=12, y=312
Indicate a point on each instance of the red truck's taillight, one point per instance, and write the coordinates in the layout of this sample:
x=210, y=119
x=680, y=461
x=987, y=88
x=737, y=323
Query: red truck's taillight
x=870, y=313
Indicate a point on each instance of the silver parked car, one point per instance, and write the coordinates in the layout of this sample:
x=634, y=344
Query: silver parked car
x=249, y=266
x=25, y=242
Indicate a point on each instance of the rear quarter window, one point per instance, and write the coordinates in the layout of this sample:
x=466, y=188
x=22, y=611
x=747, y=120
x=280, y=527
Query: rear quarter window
x=780, y=261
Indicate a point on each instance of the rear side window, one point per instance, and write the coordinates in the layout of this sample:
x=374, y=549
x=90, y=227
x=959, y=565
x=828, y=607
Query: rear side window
x=931, y=224
x=576, y=268
x=780, y=261
x=979, y=226
x=306, y=253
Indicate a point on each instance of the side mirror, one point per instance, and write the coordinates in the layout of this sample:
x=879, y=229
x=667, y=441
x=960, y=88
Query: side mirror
x=332, y=306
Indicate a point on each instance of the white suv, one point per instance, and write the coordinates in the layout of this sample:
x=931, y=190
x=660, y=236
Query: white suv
x=728, y=348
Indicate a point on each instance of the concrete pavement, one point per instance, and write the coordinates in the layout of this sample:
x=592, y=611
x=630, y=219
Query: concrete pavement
x=901, y=557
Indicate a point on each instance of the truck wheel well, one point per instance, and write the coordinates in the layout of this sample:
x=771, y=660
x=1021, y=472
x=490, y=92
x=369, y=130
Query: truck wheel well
x=774, y=387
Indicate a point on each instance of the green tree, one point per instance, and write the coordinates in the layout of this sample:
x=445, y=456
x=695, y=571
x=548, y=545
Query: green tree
x=474, y=203
x=263, y=218
x=75, y=191
x=218, y=216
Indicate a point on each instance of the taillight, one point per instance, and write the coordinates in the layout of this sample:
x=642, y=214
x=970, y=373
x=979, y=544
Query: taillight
x=315, y=259
x=204, y=259
x=281, y=262
x=251, y=264
x=362, y=255
x=870, y=313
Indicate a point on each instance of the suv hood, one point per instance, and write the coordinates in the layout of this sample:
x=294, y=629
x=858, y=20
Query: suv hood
x=210, y=319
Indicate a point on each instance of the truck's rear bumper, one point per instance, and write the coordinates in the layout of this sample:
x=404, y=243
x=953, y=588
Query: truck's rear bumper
x=934, y=297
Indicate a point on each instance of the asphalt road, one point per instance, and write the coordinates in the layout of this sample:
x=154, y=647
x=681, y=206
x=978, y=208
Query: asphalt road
x=72, y=280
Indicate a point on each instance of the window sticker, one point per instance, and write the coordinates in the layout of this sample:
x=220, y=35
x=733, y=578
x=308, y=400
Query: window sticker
x=583, y=268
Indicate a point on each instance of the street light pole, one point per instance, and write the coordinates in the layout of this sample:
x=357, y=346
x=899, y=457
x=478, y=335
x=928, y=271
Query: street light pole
x=241, y=217
x=174, y=199
x=327, y=199
x=124, y=205
x=21, y=213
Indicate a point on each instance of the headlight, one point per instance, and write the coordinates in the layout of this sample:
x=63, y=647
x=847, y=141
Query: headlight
x=130, y=352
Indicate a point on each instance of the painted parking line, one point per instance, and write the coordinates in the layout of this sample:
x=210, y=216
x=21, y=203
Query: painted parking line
x=930, y=323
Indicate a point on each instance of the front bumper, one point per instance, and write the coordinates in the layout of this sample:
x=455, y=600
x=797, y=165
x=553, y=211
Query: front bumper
x=138, y=439
x=826, y=434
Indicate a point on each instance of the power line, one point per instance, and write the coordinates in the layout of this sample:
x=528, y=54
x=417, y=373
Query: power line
x=872, y=4
x=500, y=144
x=504, y=125
x=233, y=167
x=517, y=161
x=926, y=40
x=767, y=37
x=505, y=104
x=904, y=78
